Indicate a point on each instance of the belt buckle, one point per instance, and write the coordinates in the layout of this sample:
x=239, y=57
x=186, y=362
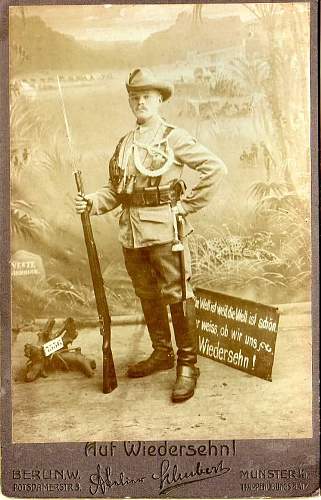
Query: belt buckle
x=151, y=196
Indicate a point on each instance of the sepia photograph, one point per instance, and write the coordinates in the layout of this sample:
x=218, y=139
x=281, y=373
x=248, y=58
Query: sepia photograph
x=160, y=211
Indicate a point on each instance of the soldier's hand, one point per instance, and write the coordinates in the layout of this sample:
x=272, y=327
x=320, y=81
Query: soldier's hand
x=82, y=203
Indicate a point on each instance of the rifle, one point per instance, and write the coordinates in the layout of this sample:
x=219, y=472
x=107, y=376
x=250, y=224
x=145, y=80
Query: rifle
x=109, y=374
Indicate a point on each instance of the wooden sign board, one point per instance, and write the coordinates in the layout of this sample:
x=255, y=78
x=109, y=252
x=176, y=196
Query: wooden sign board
x=236, y=332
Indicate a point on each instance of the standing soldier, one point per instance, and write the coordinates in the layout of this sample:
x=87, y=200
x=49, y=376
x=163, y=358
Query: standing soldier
x=145, y=178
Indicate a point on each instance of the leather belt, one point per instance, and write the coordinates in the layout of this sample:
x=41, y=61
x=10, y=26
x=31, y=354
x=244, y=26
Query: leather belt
x=149, y=197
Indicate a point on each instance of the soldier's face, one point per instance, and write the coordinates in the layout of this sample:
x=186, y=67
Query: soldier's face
x=145, y=104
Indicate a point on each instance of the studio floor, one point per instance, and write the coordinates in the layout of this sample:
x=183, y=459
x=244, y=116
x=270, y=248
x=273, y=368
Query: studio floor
x=228, y=404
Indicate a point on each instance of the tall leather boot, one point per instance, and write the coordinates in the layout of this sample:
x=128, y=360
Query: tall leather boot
x=162, y=357
x=186, y=341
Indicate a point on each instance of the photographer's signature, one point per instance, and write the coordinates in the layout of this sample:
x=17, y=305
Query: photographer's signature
x=169, y=477
x=103, y=479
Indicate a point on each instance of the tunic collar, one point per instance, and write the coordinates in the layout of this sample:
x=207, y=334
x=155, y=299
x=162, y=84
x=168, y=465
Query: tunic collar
x=151, y=125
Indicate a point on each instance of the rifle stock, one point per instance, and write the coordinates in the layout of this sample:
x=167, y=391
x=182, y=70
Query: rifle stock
x=109, y=374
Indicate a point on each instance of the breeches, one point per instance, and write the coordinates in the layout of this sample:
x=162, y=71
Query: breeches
x=155, y=272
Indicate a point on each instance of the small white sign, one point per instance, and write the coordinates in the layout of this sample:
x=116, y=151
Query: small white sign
x=53, y=346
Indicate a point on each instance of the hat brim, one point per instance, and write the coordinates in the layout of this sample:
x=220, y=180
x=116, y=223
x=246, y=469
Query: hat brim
x=165, y=90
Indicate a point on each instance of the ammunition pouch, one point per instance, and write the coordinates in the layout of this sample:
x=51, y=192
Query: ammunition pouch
x=151, y=196
x=147, y=197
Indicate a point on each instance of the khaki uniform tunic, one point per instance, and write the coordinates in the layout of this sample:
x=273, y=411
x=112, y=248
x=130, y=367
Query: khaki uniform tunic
x=146, y=226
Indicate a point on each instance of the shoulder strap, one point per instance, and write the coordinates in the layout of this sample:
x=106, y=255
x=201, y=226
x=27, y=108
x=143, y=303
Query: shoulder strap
x=168, y=128
x=167, y=131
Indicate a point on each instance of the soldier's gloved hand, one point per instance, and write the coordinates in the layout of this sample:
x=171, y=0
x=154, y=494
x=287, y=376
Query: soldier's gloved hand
x=83, y=203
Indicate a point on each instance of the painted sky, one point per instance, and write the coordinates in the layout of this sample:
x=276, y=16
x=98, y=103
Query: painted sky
x=121, y=22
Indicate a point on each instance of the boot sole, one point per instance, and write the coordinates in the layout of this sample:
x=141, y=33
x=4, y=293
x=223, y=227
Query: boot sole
x=180, y=399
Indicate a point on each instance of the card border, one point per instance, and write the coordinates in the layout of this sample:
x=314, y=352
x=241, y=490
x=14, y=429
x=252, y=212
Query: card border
x=255, y=446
